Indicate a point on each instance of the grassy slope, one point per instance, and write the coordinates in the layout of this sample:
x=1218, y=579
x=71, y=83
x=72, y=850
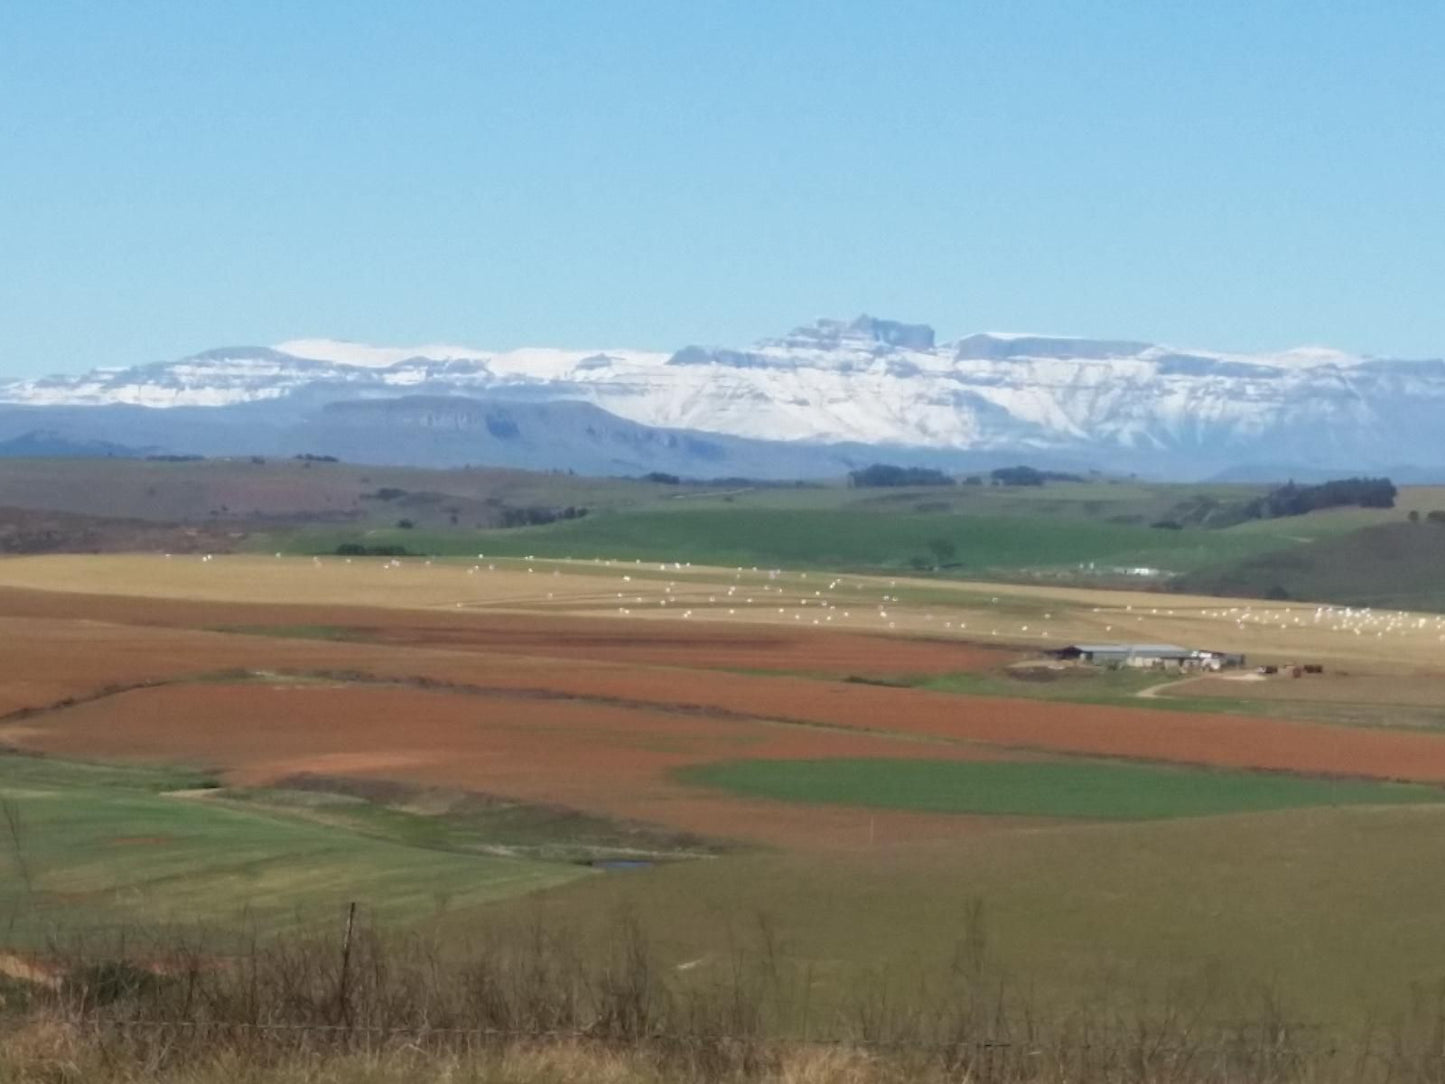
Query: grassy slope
x=824, y=538
x=1333, y=521
x=1004, y=532
x=194, y=491
x=99, y=846
x=1396, y=565
x=230, y=491
x=1337, y=910
x=464, y=823
x=1128, y=502
x=992, y=530
x=1057, y=788
x=1122, y=688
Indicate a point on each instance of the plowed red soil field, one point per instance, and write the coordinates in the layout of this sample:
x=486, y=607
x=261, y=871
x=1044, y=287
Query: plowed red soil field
x=596, y=757
x=74, y=659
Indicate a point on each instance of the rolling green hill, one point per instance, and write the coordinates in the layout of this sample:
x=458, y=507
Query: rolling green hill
x=1082, y=788
x=1079, y=532
x=970, y=545
x=87, y=848
x=1391, y=566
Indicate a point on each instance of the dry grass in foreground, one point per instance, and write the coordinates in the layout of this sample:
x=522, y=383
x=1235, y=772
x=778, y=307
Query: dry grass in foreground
x=54, y=1051
x=51, y=1054
x=541, y=1008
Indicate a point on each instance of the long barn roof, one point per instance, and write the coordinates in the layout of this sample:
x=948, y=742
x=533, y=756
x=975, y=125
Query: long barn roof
x=1133, y=649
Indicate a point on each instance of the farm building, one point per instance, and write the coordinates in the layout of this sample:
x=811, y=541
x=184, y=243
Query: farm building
x=1149, y=656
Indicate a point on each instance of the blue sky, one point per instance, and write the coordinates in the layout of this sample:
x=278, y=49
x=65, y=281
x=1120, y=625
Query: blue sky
x=177, y=176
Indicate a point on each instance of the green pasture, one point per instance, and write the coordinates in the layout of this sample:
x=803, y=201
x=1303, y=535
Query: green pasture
x=86, y=847
x=1064, y=533
x=239, y=490
x=1398, y=565
x=962, y=545
x=1096, y=790
x=449, y=820
x=1121, y=688
x=1328, y=914
x=1118, y=501
x=1318, y=526
x=1082, y=686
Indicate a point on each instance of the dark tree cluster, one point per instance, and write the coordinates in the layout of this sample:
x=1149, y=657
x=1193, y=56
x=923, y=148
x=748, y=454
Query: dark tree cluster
x=1029, y=476
x=884, y=474
x=1296, y=500
x=538, y=516
x=739, y=481
x=356, y=549
x=1287, y=500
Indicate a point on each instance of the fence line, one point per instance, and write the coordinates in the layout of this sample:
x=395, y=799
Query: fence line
x=420, y=1032
x=575, y=1034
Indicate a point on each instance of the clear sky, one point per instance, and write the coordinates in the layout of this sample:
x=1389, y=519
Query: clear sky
x=603, y=173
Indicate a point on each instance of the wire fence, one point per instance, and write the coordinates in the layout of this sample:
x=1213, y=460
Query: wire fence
x=507, y=1035
x=64, y=979
x=350, y=991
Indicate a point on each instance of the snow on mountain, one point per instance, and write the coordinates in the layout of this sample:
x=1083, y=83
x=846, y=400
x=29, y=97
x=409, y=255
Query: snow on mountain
x=340, y=352
x=869, y=381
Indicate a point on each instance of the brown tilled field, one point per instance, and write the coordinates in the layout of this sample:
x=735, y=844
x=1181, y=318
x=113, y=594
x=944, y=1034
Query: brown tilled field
x=599, y=757
x=699, y=645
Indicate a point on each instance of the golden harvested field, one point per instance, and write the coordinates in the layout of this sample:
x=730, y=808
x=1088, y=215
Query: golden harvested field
x=1028, y=617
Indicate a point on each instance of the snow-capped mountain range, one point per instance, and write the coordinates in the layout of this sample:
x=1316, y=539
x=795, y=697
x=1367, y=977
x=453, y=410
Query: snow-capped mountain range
x=860, y=384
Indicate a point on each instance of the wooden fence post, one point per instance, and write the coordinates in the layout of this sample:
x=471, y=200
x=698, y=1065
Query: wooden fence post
x=343, y=1002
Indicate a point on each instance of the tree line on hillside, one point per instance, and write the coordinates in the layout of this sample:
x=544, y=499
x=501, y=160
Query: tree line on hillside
x=1290, y=499
x=1296, y=500
x=882, y=475
x=359, y=549
x=1029, y=476
x=537, y=516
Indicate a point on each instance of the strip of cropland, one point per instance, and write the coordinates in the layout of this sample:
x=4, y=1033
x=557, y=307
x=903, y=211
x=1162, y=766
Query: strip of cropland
x=1049, y=788
x=959, y=614
x=915, y=714
x=822, y=539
